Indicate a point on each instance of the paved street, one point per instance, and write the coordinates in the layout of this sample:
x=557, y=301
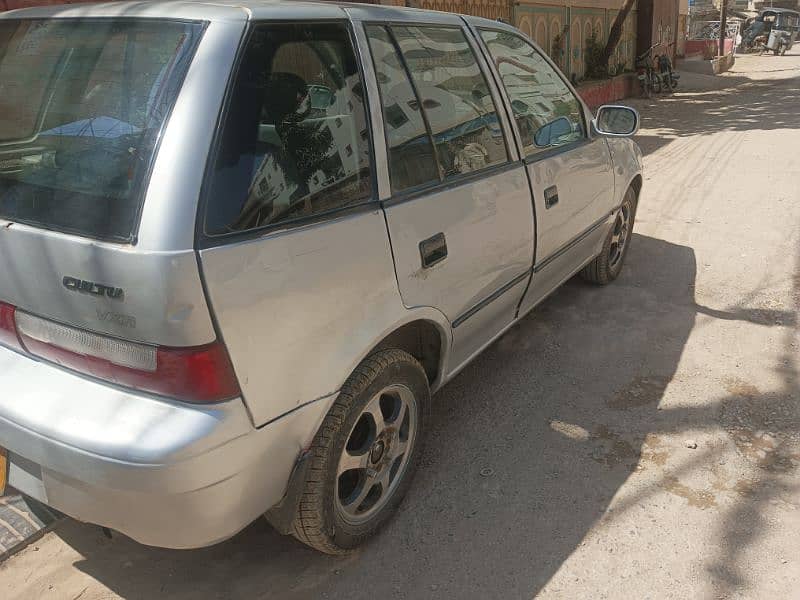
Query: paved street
x=638, y=441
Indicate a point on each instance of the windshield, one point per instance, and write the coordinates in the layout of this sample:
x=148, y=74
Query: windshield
x=82, y=103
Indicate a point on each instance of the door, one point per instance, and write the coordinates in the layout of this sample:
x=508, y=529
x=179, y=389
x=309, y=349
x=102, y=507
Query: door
x=460, y=216
x=570, y=171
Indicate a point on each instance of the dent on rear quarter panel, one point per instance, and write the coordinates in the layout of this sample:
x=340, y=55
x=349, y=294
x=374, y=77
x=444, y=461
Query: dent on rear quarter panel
x=298, y=309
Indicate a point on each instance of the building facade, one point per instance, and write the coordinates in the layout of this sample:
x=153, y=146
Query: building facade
x=562, y=28
x=658, y=26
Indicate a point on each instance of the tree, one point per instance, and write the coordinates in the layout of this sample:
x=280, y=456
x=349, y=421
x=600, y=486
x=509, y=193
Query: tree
x=615, y=34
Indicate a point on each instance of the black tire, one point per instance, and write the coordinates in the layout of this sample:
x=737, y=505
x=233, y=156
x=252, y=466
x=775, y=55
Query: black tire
x=607, y=266
x=319, y=522
x=655, y=83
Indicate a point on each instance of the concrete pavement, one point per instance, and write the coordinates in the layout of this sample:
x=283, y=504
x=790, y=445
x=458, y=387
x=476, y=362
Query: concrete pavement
x=636, y=441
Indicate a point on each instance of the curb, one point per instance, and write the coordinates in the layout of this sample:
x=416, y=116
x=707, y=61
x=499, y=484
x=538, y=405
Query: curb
x=22, y=522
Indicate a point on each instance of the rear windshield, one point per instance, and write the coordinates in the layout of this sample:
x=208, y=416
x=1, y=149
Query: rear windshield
x=82, y=103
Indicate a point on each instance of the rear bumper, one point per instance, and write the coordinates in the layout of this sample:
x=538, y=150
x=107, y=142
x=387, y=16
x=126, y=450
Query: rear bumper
x=164, y=473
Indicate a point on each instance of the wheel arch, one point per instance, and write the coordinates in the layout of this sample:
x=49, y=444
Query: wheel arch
x=422, y=339
x=424, y=333
x=416, y=334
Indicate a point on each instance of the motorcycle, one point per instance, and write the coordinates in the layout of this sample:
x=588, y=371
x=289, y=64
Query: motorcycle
x=649, y=80
x=669, y=78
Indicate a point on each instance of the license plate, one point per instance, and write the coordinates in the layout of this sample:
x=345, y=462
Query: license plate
x=3, y=470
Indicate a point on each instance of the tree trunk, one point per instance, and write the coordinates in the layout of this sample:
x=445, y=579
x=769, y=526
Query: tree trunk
x=615, y=34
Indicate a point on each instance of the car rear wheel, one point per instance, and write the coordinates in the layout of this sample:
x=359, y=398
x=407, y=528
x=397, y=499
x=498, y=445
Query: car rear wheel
x=607, y=266
x=365, y=454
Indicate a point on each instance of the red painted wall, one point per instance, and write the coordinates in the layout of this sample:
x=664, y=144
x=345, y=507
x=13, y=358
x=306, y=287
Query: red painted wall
x=608, y=91
x=695, y=48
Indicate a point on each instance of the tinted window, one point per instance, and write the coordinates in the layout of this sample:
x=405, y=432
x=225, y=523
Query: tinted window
x=81, y=107
x=295, y=141
x=411, y=158
x=547, y=113
x=455, y=98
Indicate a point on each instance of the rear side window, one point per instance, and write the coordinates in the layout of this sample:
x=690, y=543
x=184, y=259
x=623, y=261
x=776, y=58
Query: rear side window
x=295, y=142
x=547, y=113
x=82, y=103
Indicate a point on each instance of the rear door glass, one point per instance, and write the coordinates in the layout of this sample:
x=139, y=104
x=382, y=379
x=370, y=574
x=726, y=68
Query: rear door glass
x=82, y=103
x=295, y=143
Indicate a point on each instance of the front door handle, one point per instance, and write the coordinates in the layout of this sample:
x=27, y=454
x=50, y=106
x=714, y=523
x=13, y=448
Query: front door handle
x=550, y=197
x=433, y=250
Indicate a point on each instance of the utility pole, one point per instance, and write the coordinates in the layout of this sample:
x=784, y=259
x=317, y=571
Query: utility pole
x=723, y=26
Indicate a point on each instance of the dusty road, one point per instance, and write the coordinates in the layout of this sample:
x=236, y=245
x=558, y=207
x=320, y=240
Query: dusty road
x=585, y=416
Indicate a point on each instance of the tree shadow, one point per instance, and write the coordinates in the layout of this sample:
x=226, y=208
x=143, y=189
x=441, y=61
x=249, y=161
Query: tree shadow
x=525, y=450
x=759, y=105
x=704, y=105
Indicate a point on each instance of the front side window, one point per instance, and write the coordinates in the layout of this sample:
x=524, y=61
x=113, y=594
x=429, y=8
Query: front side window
x=295, y=142
x=455, y=97
x=547, y=113
x=82, y=103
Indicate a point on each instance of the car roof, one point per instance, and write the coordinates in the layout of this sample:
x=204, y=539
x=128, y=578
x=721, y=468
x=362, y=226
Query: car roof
x=236, y=10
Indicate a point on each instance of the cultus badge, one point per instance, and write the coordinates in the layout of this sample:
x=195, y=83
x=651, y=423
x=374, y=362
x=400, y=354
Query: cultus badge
x=90, y=287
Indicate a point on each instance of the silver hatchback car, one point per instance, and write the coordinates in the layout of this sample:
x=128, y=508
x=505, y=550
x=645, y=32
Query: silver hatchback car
x=242, y=243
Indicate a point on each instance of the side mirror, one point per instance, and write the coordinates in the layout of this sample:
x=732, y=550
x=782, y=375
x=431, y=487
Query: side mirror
x=616, y=121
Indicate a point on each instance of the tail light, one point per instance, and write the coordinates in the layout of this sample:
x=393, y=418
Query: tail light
x=198, y=374
x=8, y=327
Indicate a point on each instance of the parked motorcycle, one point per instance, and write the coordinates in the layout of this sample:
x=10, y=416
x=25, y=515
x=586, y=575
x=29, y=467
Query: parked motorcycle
x=655, y=73
x=649, y=79
x=669, y=78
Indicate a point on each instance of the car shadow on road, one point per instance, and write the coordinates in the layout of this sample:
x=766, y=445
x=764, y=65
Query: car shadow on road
x=526, y=449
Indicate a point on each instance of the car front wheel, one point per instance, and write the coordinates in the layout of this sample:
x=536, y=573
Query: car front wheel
x=607, y=266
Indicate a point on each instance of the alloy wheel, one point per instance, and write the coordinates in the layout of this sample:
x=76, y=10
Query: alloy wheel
x=619, y=236
x=376, y=454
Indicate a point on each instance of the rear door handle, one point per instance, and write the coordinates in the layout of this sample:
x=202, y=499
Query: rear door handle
x=433, y=250
x=550, y=197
